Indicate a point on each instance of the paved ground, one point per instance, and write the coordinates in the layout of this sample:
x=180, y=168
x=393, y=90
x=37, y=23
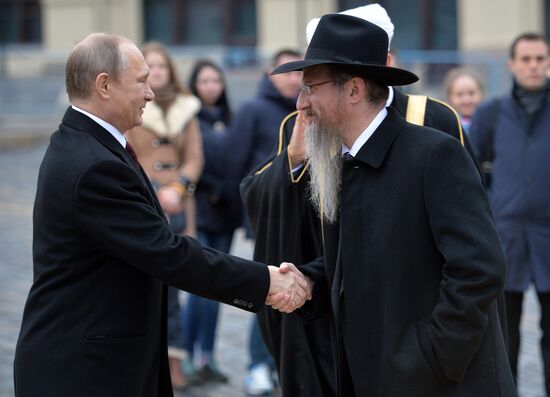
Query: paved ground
x=18, y=170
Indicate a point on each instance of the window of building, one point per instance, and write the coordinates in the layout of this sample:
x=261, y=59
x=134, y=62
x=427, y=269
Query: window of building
x=20, y=22
x=201, y=22
x=419, y=24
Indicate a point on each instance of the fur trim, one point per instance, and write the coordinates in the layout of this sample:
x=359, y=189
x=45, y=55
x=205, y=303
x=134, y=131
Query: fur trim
x=184, y=108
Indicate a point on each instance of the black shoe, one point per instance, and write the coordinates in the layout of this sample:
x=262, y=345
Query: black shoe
x=209, y=373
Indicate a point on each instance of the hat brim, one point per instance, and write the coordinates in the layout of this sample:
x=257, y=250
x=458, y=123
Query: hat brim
x=386, y=75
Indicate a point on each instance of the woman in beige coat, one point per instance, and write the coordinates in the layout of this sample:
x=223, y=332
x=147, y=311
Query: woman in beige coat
x=169, y=148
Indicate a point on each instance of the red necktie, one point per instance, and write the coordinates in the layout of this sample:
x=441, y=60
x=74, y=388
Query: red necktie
x=131, y=151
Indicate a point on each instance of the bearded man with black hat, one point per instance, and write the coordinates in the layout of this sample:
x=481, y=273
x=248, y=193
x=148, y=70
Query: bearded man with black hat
x=412, y=262
x=287, y=227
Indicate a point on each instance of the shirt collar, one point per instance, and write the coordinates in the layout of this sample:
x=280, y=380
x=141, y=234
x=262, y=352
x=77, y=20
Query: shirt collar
x=366, y=134
x=109, y=127
x=390, y=96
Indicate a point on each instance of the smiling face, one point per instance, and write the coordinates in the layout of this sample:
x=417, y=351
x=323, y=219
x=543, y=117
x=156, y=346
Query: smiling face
x=322, y=103
x=465, y=94
x=129, y=95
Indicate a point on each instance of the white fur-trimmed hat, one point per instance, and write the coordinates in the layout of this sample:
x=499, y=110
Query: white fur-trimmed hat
x=373, y=13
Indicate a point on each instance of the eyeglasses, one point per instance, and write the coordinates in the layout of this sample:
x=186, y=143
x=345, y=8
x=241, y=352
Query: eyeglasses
x=306, y=88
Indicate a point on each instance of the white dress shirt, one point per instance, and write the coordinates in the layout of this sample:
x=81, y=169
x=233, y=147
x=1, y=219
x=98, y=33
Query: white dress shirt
x=109, y=127
x=367, y=133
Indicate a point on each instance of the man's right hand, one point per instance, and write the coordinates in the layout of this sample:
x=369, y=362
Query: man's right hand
x=297, y=145
x=288, y=289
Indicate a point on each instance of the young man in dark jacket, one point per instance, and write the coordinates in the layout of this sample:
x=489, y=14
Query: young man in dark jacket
x=511, y=133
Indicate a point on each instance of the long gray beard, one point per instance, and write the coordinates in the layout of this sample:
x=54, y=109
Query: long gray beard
x=324, y=153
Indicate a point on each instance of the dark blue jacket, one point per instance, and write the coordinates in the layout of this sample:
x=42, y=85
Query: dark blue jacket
x=219, y=206
x=520, y=187
x=254, y=132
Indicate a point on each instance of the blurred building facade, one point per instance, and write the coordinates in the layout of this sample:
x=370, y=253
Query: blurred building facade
x=266, y=24
x=431, y=36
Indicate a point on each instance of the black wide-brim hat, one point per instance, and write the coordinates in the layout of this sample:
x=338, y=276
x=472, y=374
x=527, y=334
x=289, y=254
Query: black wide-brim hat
x=355, y=44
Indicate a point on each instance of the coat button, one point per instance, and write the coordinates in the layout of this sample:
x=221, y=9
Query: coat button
x=236, y=301
x=249, y=305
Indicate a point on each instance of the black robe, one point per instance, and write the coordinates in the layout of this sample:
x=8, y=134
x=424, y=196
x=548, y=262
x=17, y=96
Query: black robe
x=287, y=228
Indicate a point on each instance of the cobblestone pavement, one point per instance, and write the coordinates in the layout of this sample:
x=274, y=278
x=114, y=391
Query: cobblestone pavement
x=18, y=171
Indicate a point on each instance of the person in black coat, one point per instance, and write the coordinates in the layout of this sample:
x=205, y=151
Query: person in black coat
x=286, y=225
x=412, y=262
x=94, y=323
x=249, y=141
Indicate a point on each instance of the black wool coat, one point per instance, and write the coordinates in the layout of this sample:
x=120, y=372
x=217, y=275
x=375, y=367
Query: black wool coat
x=411, y=272
x=94, y=322
x=287, y=228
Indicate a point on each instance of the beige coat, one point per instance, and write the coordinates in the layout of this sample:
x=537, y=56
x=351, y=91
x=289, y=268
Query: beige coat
x=169, y=146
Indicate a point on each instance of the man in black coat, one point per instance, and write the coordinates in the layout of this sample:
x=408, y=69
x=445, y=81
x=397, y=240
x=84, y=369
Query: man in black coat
x=412, y=263
x=286, y=226
x=95, y=320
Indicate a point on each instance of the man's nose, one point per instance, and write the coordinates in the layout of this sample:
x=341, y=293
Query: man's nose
x=149, y=94
x=302, y=103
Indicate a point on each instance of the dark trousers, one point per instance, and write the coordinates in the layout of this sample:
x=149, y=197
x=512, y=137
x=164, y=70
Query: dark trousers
x=514, y=302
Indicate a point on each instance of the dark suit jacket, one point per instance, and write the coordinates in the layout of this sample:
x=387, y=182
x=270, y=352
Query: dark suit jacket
x=411, y=272
x=95, y=320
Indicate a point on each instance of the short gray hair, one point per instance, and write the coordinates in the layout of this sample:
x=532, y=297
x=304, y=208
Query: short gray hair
x=95, y=54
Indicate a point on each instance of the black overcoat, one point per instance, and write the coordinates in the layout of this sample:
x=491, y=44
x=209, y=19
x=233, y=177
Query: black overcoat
x=412, y=270
x=94, y=323
x=287, y=228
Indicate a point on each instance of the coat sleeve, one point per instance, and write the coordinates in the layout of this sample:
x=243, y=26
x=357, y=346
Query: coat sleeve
x=112, y=211
x=319, y=306
x=285, y=224
x=276, y=207
x=474, y=270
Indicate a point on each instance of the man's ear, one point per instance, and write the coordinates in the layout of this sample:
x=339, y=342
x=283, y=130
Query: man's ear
x=102, y=85
x=357, y=87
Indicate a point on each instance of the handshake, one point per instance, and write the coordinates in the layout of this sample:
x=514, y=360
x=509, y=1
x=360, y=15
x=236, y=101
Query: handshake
x=288, y=288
